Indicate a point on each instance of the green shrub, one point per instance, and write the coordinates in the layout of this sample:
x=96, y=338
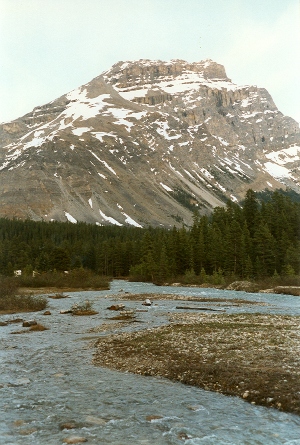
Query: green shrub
x=11, y=300
x=20, y=303
x=77, y=278
x=83, y=308
x=8, y=287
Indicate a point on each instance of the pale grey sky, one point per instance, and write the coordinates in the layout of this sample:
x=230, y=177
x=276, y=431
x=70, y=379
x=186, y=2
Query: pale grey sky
x=49, y=47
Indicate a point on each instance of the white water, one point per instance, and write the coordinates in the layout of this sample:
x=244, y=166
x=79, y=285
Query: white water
x=47, y=379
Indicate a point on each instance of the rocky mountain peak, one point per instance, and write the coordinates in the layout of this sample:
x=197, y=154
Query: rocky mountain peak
x=150, y=71
x=139, y=74
x=146, y=142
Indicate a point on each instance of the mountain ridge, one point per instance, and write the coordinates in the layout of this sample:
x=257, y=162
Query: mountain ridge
x=145, y=143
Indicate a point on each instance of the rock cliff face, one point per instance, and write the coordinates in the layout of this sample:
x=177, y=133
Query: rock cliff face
x=146, y=142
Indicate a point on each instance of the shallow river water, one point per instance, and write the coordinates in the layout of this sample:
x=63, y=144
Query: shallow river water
x=47, y=380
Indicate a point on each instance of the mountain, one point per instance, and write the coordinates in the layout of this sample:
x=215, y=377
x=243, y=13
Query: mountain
x=146, y=143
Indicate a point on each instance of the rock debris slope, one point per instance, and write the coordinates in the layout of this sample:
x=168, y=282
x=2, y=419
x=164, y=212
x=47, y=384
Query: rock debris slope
x=146, y=142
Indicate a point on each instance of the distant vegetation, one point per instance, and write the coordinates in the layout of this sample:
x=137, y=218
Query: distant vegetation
x=76, y=278
x=11, y=301
x=186, y=199
x=259, y=240
x=266, y=195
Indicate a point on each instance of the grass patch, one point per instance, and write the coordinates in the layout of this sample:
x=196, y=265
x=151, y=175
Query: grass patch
x=253, y=356
x=85, y=313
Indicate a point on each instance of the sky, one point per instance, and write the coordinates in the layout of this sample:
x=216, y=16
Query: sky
x=50, y=47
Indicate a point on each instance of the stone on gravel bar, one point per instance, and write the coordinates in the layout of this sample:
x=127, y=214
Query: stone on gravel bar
x=27, y=324
x=75, y=439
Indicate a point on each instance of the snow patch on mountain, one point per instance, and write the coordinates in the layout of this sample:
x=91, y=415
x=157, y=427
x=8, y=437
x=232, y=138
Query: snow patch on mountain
x=277, y=171
x=131, y=221
x=100, y=135
x=109, y=219
x=70, y=218
x=188, y=81
x=103, y=162
x=168, y=189
x=121, y=115
x=79, y=131
x=163, y=131
x=82, y=107
x=281, y=157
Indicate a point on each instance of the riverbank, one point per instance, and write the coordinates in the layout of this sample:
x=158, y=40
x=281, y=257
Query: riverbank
x=246, y=286
x=57, y=290
x=252, y=356
x=29, y=299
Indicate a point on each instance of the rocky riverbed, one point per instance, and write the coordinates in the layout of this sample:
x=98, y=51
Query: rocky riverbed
x=52, y=393
x=256, y=357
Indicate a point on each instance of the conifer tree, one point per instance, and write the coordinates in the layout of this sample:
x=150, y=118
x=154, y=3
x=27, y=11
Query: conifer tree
x=251, y=211
x=234, y=248
x=163, y=271
x=265, y=250
x=248, y=268
x=215, y=248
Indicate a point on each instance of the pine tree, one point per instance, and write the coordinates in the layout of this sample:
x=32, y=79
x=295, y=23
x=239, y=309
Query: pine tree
x=60, y=259
x=292, y=257
x=248, y=268
x=164, y=271
x=251, y=211
x=233, y=248
x=215, y=248
x=265, y=250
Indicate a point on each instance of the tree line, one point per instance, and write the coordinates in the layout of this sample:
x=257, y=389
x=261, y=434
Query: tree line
x=260, y=238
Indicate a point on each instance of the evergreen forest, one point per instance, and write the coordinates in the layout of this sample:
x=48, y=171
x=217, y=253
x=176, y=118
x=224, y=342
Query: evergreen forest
x=258, y=239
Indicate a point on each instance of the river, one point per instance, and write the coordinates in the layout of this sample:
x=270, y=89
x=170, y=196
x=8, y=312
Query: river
x=47, y=381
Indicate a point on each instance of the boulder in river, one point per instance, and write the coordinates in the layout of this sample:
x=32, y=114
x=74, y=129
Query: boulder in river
x=67, y=426
x=28, y=323
x=152, y=417
x=116, y=307
x=75, y=439
x=95, y=420
x=147, y=302
x=19, y=382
